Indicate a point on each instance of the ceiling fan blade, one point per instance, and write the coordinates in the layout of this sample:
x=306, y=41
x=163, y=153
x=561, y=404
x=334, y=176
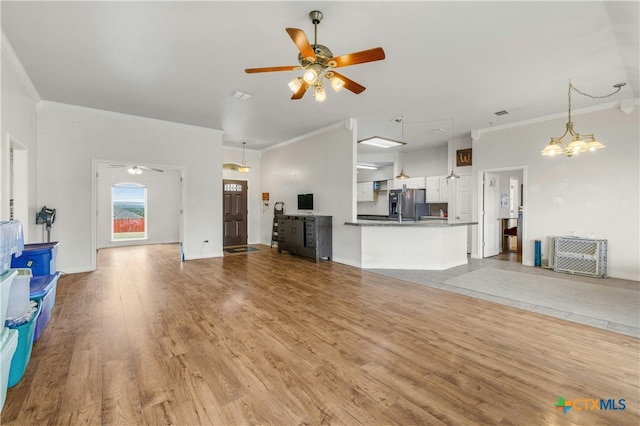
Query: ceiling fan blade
x=270, y=69
x=151, y=168
x=301, y=91
x=375, y=54
x=350, y=84
x=302, y=42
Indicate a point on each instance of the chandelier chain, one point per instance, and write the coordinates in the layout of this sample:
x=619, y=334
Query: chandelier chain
x=570, y=87
x=617, y=86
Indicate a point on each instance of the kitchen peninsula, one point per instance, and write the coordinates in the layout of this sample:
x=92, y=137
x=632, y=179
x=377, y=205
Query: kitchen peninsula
x=427, y=245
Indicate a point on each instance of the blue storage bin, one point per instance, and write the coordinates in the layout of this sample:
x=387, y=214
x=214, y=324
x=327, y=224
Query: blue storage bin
x=22, y=355
x=41, y=258
x=43, y=290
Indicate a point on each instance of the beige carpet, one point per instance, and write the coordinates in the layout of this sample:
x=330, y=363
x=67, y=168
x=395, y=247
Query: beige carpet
x=616, y=305
x=610, y=304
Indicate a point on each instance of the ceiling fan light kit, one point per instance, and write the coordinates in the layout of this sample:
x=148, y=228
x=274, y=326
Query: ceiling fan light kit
x=135, y=170
x=315, y=59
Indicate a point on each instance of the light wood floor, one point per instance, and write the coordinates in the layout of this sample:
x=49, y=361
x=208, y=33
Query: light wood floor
x=263, y=338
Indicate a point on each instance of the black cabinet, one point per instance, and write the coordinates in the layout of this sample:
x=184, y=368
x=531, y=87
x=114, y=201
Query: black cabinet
x=305, y=235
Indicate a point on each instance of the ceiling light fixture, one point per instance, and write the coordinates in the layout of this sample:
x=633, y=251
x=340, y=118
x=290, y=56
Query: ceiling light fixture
x=402, y=175
x=366, y=166
x=381, y=142
x=452, y=175
x=337, y=84
x=320, y=94
x=579, y=143
x=295, y=84
x=242, y=168
x=134, y=170
x=314, y=60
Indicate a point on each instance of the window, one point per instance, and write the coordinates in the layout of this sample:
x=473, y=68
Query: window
x=233, y=187
x=129, y=212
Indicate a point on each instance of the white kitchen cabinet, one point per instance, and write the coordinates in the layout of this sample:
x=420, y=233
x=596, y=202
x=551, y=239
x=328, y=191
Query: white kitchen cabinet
x=366, y=192
x=437, y=189
x=412, y=183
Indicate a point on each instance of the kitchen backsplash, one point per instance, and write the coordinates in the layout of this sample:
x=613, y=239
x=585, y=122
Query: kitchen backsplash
x=434, y=208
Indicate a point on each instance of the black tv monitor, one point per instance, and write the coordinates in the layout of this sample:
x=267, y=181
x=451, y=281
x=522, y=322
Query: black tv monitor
x=305, y=201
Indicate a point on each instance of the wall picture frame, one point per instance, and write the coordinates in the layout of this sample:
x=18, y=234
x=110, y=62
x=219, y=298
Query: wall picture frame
x=463, y=157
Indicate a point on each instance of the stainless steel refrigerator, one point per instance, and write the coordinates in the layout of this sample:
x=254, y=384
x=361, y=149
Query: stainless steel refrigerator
x=413, y=204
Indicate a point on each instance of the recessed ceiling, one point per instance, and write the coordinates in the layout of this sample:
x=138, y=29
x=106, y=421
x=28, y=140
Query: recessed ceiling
x=180, y=61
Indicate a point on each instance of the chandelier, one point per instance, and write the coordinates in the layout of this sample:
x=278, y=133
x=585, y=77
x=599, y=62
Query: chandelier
x=579, y=143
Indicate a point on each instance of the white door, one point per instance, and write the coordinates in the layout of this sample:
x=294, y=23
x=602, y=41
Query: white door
x=491, y=216
x=463, y=204
x=513, y=198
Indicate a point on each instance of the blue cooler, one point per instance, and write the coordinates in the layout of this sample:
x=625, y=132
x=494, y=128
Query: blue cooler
x=43, y=290
x=41, y=258
x=8, y=344
x=22, y=354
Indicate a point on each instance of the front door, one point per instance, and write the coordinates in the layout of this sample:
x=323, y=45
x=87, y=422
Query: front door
x=234, y=230
x=491, y=219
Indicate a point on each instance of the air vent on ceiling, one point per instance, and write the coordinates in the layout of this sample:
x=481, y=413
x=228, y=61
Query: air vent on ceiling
x=503, y=112
x=236, y=94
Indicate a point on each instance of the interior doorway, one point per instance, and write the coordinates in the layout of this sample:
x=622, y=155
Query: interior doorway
x=234, y=214
x=165, y=221
x=18, y=184
x=501, y=203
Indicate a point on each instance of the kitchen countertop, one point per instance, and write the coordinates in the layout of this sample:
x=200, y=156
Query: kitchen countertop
x=443, y=223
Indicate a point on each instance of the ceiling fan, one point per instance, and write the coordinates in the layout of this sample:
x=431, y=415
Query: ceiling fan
x=316, y=59
x=135, y=170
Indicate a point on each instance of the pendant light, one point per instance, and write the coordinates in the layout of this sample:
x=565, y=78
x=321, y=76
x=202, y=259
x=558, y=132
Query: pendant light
x=400, y=120
x=242, y=168
x=452, y=175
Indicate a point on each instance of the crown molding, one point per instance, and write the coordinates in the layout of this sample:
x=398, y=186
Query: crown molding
x=16, y=64
x=119, y=115
x=338, y=125
x=622, y=104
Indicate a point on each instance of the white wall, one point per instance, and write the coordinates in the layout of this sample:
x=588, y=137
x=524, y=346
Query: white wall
x=322, y=163
x=19, y=122
x=383, y=173
x=590, y=193
x=428, y=162
x=256, y=209
x=163, y=204
x=69, y=138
